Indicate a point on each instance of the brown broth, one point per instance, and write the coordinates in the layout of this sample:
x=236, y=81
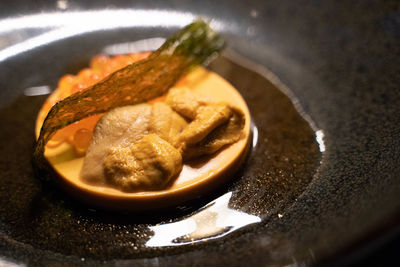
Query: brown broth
x=282, y=162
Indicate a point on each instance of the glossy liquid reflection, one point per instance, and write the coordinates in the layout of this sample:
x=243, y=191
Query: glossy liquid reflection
x=319, y=137
x=62, y=25
x=214, y=220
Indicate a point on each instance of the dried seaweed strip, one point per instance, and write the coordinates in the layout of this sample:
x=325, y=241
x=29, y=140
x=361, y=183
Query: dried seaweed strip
x=136, y=83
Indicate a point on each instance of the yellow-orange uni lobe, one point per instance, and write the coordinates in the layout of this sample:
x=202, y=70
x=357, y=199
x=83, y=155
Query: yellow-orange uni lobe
x=79, y=134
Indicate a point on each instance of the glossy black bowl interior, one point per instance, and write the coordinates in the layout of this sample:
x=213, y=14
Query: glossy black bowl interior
x=340, y=60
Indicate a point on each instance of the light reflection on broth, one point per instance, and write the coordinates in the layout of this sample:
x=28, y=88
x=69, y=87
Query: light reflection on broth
x=213, y=221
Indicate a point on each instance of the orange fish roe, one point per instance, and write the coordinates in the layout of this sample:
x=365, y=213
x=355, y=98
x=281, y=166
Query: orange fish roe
x=79, y=134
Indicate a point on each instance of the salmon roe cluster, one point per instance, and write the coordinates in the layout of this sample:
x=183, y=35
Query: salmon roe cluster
x=79, y=134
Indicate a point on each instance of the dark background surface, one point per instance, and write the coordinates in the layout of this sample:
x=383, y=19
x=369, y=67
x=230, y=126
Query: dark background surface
x=341, y=59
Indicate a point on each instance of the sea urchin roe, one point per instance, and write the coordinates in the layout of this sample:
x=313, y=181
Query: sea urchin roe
x=121, y=154
x=225, y=134
x=186, y=102
x=208, y=118
x=147, y=165
x=121, y=127
x=165, y=122
x=183, y=102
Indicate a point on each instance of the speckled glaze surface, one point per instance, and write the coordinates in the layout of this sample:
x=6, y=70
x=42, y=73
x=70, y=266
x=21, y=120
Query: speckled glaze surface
x=340, y=61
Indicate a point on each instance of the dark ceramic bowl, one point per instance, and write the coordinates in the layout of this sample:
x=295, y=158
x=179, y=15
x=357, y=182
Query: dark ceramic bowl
x=340, y=60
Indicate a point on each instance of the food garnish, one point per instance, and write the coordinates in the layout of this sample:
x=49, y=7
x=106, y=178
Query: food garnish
x=143, y=147
x=135, y=83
